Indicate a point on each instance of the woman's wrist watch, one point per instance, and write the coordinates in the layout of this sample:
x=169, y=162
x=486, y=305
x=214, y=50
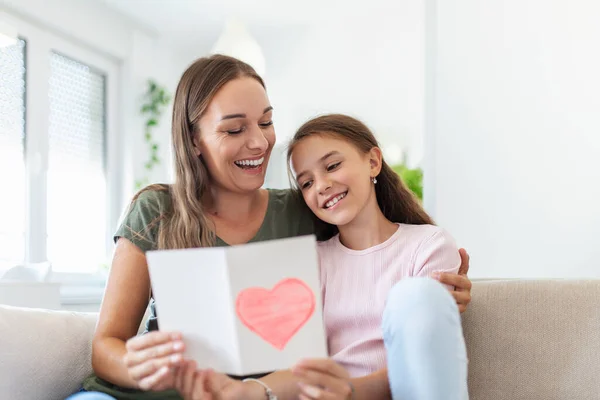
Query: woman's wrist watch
x=268, y=391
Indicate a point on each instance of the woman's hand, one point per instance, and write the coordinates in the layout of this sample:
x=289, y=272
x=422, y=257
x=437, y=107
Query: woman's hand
x=323, y=379
x=152, y=359
x=195, y=384
x=461, y=283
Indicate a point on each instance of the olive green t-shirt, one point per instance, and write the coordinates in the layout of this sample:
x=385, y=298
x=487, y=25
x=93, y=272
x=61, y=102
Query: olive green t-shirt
x=286, y=216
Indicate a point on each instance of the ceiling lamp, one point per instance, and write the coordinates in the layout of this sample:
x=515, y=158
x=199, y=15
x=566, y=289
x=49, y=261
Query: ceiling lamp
x=8, y=35
x=236, y=41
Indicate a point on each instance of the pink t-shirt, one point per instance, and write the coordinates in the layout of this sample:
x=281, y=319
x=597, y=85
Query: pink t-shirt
x=355, y=285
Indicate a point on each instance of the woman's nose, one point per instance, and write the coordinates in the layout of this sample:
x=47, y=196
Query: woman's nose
x=257, y=139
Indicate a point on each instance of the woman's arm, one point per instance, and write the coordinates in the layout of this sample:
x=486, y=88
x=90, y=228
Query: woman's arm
x=143, y=361
x=460, y=282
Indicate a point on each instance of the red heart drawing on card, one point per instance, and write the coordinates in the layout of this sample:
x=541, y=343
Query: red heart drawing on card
x=276, y=315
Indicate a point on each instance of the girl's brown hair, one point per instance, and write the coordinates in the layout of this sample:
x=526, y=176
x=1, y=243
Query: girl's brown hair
x=396, y=201
x=187, y=224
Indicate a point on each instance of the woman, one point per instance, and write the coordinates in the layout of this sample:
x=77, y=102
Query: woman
x=222, y=138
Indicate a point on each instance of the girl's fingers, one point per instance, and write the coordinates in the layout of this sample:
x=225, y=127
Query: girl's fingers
x=178, y=381
x=318, y=379
x=324, y=365
x=167, y=382
x=310, y=392
x=188, y=378
x=199, y=390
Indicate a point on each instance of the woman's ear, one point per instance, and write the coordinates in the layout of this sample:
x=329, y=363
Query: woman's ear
x=375, y=161
x=196, y=141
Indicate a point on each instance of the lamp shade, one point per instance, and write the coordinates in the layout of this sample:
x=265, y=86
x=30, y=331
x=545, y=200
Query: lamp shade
x=236, y=41
x=8, y=34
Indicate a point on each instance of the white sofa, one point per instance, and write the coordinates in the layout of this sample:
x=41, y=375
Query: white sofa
x=526, y=340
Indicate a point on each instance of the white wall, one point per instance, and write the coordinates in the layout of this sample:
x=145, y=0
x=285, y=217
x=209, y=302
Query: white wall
x=370, y=66
x=513, y=140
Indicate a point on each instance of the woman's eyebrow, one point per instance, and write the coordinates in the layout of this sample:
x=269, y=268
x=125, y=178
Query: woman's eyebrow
x=233, y=116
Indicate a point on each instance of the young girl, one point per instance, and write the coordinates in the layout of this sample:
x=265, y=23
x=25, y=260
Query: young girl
x=391, y=331
x=376, y=234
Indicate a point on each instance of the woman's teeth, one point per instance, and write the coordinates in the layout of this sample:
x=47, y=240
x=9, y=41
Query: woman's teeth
x=334, y=201
x=250, y=163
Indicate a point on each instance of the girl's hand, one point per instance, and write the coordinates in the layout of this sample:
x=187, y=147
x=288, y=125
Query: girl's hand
x=323, y=379
x=195, y=384
x=151, y=359
x=191, y=383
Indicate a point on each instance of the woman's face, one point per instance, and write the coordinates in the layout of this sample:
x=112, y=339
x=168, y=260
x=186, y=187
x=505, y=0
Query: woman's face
x=236, y=135
x=334, y=177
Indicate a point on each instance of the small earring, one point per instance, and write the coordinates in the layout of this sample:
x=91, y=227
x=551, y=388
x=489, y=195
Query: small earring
x=374, y=180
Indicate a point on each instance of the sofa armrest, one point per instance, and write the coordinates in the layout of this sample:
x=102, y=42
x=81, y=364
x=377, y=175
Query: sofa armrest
x=534, y=339
x=44, y=354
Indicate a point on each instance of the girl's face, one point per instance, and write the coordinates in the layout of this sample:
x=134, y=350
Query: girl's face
x=334, y=177
x=236, y=135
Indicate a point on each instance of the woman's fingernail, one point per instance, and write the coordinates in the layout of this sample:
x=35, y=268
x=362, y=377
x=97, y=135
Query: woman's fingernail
x=178, y=346
x=435, y=275
x=175, y=335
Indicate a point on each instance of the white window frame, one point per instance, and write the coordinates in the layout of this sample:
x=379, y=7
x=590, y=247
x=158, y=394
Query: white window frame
x=40, y=43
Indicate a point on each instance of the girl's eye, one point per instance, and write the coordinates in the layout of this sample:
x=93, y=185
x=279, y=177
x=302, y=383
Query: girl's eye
x=235, y=131
x=333, y=166
x=306, y=185
x=266, y=124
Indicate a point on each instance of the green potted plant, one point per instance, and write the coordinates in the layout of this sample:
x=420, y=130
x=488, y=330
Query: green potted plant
x=412, y=178
x=156, y=99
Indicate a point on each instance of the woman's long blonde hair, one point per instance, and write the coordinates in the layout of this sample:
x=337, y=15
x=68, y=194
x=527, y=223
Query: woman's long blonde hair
x=395, y=200
x=186, y=225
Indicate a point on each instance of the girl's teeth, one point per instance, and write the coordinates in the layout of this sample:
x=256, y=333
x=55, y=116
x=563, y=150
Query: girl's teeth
x=334, y=201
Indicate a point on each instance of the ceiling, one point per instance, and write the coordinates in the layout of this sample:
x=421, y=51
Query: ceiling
x=186, y=23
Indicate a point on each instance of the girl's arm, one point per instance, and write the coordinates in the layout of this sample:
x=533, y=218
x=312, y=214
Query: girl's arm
x=306, y=381
x=374, y=386
x=315, y=374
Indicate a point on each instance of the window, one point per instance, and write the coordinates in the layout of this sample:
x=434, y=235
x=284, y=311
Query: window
x=12, y=140
x=60, y=197
x=76, y=185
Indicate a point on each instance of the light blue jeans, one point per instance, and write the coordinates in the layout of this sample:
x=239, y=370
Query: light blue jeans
x=90, y=396
x=426, y=351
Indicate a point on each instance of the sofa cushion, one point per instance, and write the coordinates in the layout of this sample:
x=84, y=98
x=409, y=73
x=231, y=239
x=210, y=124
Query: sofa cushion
x=534, y=340
x=43, y=354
